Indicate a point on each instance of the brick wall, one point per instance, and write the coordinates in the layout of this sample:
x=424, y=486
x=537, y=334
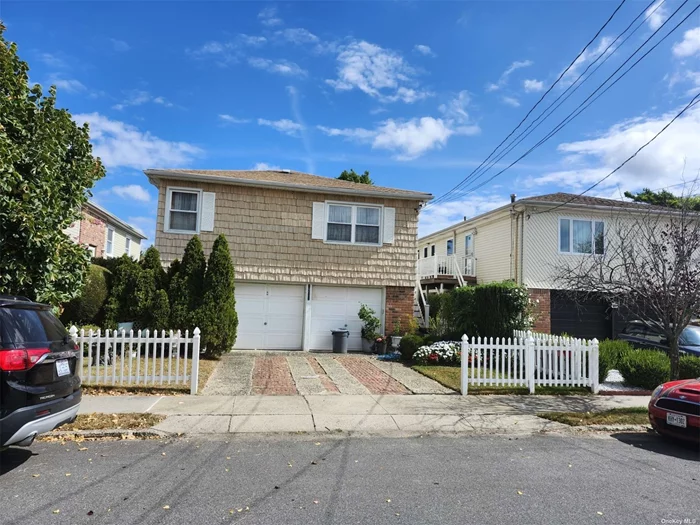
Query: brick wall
x=399, y=307
x=541, y=297
x=92, y=232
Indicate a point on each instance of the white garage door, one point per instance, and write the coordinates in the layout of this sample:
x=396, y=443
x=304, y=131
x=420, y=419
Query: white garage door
x=336, y=307
x=270, y=316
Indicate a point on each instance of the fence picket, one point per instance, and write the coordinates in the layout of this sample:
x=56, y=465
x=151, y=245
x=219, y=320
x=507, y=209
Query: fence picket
x=154, y=357
x=162, y=350
x=184, y=360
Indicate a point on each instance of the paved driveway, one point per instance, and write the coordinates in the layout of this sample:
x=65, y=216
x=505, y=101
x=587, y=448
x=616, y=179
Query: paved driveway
x=292, y=373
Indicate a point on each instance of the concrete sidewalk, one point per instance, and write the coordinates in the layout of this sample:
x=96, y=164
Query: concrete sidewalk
x=355, y=413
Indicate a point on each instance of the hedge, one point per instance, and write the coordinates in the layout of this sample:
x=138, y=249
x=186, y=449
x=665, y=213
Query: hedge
x=409, y=345
x=87, y=307
x=611, y=353
x=645, y=368
x=689, y=367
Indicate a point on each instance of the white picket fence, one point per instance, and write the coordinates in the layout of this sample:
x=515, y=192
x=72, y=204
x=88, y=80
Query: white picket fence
x=117, y=357
x=529, y=361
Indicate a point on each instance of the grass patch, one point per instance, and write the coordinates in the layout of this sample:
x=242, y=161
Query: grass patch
x=94, y=387
x=113, y=422
x=450, y=376
x=615, y=416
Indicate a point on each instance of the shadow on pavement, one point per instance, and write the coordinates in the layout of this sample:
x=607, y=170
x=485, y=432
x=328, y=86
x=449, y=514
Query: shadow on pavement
x=660, y=445
x=12, y=458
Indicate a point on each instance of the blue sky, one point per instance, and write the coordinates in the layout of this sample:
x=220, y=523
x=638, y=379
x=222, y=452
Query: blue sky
x=418, y=93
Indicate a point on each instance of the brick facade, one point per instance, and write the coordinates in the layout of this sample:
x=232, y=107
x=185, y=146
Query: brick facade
x=92, y=233
x=541, y=297
x=399, y=307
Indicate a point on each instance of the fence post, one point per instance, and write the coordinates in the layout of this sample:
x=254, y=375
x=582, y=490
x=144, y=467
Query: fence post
x=74, y=336
x=464, y=368
x=593, y=365
x=530, y=360
x=194, y=375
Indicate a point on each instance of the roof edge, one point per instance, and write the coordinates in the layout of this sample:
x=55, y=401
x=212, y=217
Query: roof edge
x=99, y=210
x=160, y=174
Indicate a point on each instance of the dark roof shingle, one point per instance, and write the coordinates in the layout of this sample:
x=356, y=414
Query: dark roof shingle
x=585, y=200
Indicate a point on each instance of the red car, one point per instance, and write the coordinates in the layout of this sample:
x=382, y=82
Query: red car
x=674, y=409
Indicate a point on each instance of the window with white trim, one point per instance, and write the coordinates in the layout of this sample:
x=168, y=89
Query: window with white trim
x=127, y=247
x=109, y=245
x=432, y=251
x=450, y=247
x=581, y=236
x=425, y=252
x=468, y=245
x=353, y=224
x=183, y=209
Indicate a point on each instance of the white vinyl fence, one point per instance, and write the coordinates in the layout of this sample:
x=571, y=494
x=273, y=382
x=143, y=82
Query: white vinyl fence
x=117, y=357
x=529, y=360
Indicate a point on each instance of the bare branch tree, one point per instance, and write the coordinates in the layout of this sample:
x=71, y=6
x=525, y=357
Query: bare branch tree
x=650, y=267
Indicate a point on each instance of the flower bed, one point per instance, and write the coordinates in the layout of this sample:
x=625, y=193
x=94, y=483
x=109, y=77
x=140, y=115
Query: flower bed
x=440, y=353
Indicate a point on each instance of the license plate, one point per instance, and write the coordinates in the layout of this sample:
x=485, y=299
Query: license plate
x=62, y=367
x=677, y=420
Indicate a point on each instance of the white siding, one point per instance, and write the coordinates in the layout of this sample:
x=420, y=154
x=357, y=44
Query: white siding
x=120, y=243
x=492, y=245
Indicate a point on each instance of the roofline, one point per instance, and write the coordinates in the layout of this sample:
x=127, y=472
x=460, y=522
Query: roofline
x=99, y=210
x=220, y=179
x=471, y=219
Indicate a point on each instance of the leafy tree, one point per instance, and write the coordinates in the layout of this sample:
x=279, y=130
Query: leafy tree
x=219, y=320
x=120, y=305
x=151, y=261
x=186, y=287
x=46, y=171
x=666, y=199
x=86, y=308
x=159, y=311
x=351, y=176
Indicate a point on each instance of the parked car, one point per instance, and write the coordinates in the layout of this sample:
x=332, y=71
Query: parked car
x=39, y=380
x=645, y=335
x=674, y=409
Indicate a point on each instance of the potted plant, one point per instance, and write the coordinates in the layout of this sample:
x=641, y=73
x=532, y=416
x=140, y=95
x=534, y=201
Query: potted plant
x=396, y=336
x=370, y=327
x=380, y=344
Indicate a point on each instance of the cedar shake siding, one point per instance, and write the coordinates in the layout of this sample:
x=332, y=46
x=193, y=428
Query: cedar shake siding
x=269, y=231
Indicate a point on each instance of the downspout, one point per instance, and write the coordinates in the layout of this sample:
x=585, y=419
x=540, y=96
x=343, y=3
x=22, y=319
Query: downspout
x=522, y=244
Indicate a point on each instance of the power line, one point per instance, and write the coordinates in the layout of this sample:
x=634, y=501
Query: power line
x=690, y=104
x=576, y=112
x=571, y=89
x=546, y=92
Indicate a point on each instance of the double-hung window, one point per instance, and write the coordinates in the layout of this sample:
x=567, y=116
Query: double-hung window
x=581, y=236
x=450, y=247
x=109, y=245
x=425, y=252
x=127, y=247
x=353, y=224
x=468, y=246
x=182, y=212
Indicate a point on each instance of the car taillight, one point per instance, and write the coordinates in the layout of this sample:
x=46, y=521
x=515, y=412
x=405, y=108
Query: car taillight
x=18, y=360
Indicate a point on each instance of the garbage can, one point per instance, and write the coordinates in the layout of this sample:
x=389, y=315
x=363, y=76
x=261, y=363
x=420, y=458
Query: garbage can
x=340, y=341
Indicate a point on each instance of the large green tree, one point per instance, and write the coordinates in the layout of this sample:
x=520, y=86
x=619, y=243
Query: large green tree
x=666, y=199
x=218, y=319
x=186, y=287
x=151, y=261
x=351, y=176
x=46, y=171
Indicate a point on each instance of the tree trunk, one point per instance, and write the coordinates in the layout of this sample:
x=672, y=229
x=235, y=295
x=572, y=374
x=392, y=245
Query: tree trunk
x=673, y=354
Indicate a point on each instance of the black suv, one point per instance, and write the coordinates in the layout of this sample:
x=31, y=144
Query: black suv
x=647, y=335
x=39, y=383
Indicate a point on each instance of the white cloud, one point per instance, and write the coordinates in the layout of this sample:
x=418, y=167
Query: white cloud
x=269, y=17
x=227, y=52
x=503, y=79
x=251, y=41
x=132, y=191
x=138, y=97
x=52, y=60
x=439, y=216
x=69, y=85
x=359, y=134
x=511, y=101
x=264, y=166
x=660, y=164
x=657, y=15
x=121, y=144
x=298, y=35
x=286, y=126
x=588, y=56
x=380, y=73
x=690, y=45
x=456, y=108
x=119, y=45
x=281, y=67
x=233, y=120
x=531, y=86
x=423, y=50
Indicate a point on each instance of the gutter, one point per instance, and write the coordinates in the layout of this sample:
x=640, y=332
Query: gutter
x=218, y=179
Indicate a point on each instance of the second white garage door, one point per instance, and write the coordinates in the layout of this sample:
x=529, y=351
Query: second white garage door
x=270, y=316
x=335, y=307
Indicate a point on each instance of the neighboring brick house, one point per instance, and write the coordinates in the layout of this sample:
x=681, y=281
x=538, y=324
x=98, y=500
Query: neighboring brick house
x=527, y=241
x=308, y=250
x=104, y=234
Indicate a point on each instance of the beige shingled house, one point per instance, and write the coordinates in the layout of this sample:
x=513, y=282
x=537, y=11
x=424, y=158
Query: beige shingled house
x=308, y=250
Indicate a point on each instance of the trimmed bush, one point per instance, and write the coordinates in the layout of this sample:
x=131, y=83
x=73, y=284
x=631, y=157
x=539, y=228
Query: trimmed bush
x=159, y=311
x=86, y=308
x=151, y=261
x=186, y=288
x=611, y=352
x=218, y=318
x=689, y=367
x=409, y=345
x=120, y=306
x=645, y=368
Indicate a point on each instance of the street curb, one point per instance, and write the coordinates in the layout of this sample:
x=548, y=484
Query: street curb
x=121, y=434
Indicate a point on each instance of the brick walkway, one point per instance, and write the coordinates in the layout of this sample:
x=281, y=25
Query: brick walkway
x=294, y=373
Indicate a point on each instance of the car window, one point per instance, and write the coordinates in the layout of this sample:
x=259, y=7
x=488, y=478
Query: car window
x=690, y=336
x=636, y=330
x=28, y=328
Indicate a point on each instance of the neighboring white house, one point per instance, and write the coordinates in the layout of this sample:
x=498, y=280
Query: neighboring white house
x=105, y=234
x=526, y=241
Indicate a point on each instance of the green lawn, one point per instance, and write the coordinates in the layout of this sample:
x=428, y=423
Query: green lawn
x=615, y=416
x=450, y=376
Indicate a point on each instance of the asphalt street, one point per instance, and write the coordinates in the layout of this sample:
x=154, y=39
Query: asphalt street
x=627, y=478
